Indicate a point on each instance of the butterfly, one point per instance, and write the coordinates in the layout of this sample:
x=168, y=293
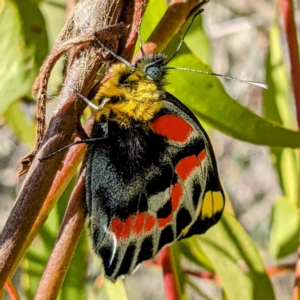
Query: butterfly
x=151, y=173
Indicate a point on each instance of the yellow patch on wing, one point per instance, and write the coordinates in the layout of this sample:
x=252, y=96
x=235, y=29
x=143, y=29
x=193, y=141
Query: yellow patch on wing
x=212, y=203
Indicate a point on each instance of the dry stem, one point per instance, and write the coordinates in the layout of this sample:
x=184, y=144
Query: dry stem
x=90, y=15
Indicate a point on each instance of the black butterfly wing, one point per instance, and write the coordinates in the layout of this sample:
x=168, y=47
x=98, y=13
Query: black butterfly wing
x=149, y=185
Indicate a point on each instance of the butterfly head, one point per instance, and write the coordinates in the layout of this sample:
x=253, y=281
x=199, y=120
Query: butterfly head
x=153, y=66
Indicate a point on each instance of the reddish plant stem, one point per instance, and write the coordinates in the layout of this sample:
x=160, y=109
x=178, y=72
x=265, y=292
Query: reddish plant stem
x=11, y=290
x=170, y=282
x=271, y=271
x=203, y=275
x=287, y=11
x=65, y=245
x=296, y=290
x=136, y=15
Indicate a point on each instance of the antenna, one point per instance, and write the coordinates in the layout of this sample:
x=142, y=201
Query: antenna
x=184, y=35
x=85, y=99
x=127, y=63
x=86, y=141
x=140, y=38
x=259, y=84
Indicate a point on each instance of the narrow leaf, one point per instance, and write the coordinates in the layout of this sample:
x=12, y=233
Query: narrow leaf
x=278, y=107
x=236, y=261
x=115, y=290
x=24, y=46
x=284, y=228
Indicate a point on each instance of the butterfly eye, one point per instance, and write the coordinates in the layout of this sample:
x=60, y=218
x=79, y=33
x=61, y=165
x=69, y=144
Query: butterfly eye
x=154, y=72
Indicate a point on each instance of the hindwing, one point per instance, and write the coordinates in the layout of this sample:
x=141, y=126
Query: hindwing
x=150, y=185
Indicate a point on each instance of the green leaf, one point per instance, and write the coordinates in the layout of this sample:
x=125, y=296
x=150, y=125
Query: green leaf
x=153, y=14
x=197, y=40
x=278, y=104
x=75, y=284
x=206, y=97
x=284, y=228
x=175, y=256
x=23, y=126
x=278, y=107
x=197, y=290
x=236, y=261
x=192, y=251
x=287, y=165
x=115, y=290
x=24, y=46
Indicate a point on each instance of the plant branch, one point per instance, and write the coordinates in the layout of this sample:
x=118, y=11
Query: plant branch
x=65, y=245
x=287, y=11
x=170, y=282
x=11, y=290
x=84, y=64
x=271, y=271
x=61, y=181
x=203, y=275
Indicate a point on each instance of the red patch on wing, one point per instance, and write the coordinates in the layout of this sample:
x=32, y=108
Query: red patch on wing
x=121, y=229
x=176, y=194
x=143, y=222
x=134, y=224
x=185, y=166
x=202, y=155
x=150, y=222
x=172, y=127
x=163, y=222
x=139, y=223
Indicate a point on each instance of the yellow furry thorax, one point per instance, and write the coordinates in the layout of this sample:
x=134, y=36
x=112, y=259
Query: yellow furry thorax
x=137, y=98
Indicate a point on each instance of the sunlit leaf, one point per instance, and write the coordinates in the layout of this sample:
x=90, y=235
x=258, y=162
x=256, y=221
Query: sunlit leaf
x=175, y=256
x=197, y=290
x=115, y=290
x=24, y=46
x=197, y=40
x=154, y=12
x=236, y=261
x=22, y=124
x=285, y=228
x=278, y=107
x=193, y=253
